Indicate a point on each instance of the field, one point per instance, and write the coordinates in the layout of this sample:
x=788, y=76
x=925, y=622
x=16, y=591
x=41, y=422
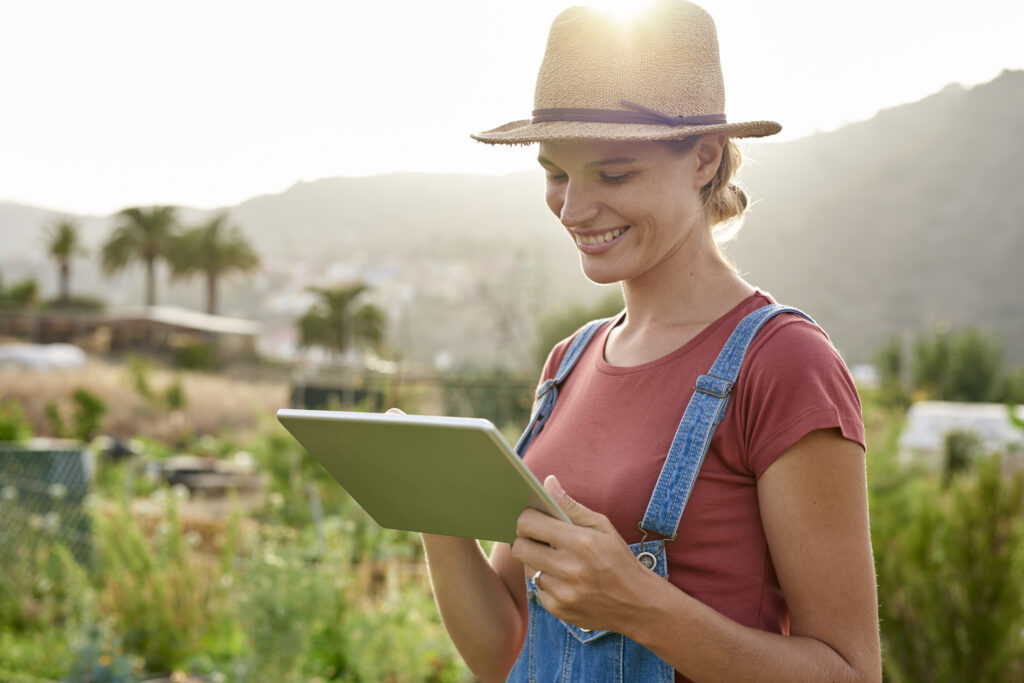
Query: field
x=135, y=394
x=295, y=583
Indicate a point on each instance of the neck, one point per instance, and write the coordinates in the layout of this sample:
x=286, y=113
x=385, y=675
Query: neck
x=693, y=290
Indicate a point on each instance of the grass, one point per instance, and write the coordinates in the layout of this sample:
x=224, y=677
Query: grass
x=212, y=404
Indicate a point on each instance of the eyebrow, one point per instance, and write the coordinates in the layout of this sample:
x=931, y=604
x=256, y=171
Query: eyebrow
x=544, y=161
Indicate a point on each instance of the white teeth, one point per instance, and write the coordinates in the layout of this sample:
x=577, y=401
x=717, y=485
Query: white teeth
x=599, y=239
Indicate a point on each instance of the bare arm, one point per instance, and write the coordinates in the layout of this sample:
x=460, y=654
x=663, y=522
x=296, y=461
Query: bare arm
x=814, y=510
x=482, y=602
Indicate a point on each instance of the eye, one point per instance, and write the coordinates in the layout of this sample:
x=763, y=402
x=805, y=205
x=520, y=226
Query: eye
x=554, y=177
x=613, y=178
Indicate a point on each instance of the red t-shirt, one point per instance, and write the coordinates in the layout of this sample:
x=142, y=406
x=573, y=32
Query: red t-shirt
x=611, y=429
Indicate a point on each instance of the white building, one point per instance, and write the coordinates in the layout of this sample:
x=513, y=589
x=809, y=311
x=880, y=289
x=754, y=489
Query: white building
x=928, y=423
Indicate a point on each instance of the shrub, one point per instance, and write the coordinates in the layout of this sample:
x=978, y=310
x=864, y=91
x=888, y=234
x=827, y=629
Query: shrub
x=13, y=425
x=949, y=568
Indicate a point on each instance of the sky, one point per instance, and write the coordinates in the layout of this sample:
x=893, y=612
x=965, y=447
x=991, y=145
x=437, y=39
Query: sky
x=112, y=103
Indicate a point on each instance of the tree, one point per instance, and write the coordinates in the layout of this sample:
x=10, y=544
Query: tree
x=141, y=235
x=339, y=322
x=63, y=244
x=213, y=249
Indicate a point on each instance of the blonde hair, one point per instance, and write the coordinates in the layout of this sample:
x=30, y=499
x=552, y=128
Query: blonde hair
x=724, y=201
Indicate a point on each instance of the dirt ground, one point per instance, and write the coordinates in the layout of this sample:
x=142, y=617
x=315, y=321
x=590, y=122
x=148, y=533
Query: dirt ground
x=212, y=403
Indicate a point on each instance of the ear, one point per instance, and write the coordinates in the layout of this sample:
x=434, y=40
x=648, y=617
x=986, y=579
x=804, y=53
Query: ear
x=708, y=154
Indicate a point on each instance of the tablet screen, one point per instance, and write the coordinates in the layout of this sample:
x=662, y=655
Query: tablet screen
x=445, y=475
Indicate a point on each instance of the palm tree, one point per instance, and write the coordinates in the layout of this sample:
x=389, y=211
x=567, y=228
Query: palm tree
x=63, y=244
x=339, y=322
x=142, y=235
x=214, y=249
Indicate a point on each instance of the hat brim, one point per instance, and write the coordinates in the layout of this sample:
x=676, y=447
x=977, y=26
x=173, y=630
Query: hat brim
x=525, y=131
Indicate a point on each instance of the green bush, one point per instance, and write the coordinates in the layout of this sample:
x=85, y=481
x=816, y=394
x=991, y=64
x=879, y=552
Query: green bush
x=950, y=562
x=948, y=365
x=196, y=357
x=13, y=425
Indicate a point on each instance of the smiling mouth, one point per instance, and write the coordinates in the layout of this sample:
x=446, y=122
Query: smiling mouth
x=600, y=238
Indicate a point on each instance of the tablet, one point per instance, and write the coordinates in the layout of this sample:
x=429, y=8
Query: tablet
x=455, y=476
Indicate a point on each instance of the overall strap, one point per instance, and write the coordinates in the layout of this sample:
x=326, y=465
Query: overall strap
x=703, y=414
x=547, y=393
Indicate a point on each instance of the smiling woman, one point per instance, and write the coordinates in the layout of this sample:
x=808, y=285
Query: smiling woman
x=718, y=532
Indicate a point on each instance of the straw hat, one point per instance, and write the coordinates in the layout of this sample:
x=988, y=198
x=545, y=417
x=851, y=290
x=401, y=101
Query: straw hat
x=653, y=77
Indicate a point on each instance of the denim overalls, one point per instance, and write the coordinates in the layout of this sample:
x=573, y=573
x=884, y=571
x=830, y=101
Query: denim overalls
x=556, y=650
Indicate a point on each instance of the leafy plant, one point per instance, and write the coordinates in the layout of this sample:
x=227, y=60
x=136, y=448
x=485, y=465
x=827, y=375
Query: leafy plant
x=89, y=412
x=13, y=425
x=949, y=568
x=160, y=600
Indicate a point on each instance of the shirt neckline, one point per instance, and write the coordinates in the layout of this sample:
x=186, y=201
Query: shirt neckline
x=737, y=311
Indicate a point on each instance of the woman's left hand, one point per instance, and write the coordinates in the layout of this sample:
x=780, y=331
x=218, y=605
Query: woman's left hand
x=590, y=577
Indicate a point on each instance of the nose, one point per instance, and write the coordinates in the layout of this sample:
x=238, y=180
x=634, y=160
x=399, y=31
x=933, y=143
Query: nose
x=575, y=203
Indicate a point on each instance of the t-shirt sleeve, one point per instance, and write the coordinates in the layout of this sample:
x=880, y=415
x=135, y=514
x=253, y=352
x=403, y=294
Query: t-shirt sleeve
x=794, y=382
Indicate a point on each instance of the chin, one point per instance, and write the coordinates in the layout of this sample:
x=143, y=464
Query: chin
x=600, y=276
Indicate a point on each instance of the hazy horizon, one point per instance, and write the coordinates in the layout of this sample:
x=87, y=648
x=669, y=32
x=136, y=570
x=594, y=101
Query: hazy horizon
x=204, y=105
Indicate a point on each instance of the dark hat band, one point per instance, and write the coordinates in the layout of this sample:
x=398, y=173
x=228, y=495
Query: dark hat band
x=642, y=115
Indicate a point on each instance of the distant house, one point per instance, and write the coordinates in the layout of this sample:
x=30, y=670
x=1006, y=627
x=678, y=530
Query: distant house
x=929, y=422
x=166, y=329
x=151, y=330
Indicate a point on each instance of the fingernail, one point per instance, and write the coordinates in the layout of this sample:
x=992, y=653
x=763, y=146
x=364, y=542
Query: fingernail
x=558, y=486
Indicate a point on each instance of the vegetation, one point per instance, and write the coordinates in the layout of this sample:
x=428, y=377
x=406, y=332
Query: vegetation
x=950, y=555
x=564, y=323
x=22, y=294
x=213, y=249
x=64, y=244
x=143, y=235
x=303, y=586
x=341, y=321
x=949, y=365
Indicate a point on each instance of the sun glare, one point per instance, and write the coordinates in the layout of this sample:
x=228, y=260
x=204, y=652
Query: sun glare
x=622, y=10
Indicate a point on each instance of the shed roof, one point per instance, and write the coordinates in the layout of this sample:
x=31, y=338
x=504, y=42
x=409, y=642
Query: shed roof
x=194, y=320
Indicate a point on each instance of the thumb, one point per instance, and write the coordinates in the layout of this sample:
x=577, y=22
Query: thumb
x=577, y=512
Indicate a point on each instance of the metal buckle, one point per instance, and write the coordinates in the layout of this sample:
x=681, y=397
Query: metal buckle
x=647, y=558
x=707, y=384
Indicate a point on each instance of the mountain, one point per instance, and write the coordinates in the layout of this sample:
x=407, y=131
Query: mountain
x=911, y=219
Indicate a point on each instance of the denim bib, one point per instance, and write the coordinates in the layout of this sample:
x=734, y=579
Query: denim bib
x=555, y=650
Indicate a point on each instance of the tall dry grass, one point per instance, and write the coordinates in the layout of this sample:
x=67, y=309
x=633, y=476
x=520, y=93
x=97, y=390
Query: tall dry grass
x=213, y=403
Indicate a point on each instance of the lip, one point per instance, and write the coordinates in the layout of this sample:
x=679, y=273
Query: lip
x=590, y=242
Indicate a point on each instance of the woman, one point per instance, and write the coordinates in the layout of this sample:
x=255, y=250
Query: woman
x=768, y=574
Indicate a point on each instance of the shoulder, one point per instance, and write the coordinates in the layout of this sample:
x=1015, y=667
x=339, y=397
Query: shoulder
x=794, y=381
x=791, y=341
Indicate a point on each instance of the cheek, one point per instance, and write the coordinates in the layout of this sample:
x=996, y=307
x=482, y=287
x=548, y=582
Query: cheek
x=554, y=195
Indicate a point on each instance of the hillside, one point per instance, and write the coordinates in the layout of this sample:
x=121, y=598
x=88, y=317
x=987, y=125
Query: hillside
x=908, y=220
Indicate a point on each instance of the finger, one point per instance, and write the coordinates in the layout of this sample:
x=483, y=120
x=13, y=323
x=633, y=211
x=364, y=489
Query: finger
x=394, y=411
x=577, y=512
x=534, y=555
